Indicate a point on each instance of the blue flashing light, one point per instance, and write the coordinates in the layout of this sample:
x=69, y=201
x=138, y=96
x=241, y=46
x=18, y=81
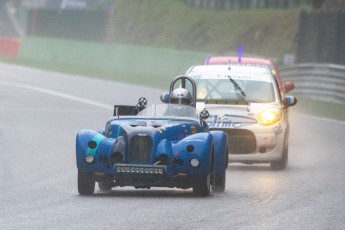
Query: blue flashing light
x=239, y=52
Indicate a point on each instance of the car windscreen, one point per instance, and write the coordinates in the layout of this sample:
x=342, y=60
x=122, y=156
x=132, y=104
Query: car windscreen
x=169, y=110
x=222, y=88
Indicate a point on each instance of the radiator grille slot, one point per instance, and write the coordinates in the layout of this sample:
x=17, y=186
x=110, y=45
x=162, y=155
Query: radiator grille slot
x=140, y=149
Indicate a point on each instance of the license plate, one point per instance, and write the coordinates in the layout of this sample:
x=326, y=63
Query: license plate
x=140, y=169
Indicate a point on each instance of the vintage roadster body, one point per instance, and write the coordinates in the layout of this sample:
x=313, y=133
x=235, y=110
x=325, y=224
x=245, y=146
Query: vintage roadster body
x=164, y=145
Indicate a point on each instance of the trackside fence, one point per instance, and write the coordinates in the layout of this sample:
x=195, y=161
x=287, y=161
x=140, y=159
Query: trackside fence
x=324, y=82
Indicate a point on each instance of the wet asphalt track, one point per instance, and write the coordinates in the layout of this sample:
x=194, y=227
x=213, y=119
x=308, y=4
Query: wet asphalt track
x=40, y=114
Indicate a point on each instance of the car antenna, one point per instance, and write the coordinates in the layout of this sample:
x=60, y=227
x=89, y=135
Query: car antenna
x=229, y=63
x=229, y=66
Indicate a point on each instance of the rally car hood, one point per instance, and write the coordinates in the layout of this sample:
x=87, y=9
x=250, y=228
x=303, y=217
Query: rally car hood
x=169, y=129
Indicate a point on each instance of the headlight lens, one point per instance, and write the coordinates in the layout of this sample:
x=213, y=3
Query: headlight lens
x=194, y=162
x=269, y=116
x=89, y=158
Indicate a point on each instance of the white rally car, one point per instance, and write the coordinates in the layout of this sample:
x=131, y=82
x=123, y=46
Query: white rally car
x=245, y=102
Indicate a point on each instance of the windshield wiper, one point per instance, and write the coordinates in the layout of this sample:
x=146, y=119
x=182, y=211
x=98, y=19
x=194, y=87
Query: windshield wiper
x=239, y=92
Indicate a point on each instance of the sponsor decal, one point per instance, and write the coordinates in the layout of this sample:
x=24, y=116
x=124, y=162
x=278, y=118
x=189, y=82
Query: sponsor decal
x=97, y=140
x=225, y=121
x=193, y=129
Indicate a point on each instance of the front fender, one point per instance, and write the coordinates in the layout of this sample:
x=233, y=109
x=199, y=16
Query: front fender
x=220, y=140
x=194, y=146
x=101, y=148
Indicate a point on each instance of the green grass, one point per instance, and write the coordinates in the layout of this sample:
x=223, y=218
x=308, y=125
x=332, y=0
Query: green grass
x=174, y=24
x=86, y=72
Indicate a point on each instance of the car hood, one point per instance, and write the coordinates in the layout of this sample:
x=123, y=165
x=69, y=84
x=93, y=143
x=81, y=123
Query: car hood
x=166, y=129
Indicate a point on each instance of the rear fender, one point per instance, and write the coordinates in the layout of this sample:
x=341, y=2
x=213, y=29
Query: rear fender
x=101, y=148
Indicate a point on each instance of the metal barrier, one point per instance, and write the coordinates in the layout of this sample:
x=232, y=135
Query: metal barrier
x=325, y=82
x=247, y=4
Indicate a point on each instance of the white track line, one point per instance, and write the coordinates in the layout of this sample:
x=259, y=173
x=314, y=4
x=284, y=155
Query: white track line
x=59, y=94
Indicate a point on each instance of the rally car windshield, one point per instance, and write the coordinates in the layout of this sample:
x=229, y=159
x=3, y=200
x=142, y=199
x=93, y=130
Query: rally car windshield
x=223, y=89
x=169, y=110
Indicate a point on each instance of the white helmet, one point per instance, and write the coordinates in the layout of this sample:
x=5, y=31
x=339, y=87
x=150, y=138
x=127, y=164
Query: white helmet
x=180, y=96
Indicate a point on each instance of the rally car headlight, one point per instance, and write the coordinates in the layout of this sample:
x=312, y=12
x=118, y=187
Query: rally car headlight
x=89, y=158
x=269, y=116
x=194, y=162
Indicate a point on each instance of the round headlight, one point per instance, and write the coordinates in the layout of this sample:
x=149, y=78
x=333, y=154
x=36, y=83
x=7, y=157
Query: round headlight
x=89, y=158
x=269, y=116
x=194, y=162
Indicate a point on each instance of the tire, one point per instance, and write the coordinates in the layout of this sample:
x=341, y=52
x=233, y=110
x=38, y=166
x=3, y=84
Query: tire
x=86, y=183
x=202, y=186
x=219, y=183
x=105, y=185
x=220, y=162
x=281, y=165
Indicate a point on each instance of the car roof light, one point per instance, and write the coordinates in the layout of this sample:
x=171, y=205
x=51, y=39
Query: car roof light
x=239, y=52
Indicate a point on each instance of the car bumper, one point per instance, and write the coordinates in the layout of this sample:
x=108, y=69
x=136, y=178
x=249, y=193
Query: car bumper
x=256, y=144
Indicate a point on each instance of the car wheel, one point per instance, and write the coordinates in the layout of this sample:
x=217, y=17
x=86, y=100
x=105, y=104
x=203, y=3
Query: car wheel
x=202, y=186
x=86, y=183
x=105, y=185
x=280, y=165
x=219, y=183
x=219, y=180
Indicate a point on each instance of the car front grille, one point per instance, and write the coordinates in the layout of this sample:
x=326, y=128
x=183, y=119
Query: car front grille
x=140, y=148
x=240, y=141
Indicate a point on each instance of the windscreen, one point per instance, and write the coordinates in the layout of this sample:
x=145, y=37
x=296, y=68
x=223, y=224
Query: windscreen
x=169, y=110
x=255, y=88
x=223, y=89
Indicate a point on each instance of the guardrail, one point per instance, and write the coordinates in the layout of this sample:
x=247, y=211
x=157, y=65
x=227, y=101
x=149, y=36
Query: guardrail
x=324, y=82
x=247, y=4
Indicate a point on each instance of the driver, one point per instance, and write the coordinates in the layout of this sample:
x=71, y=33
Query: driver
x=178, y=100
x=180, y=96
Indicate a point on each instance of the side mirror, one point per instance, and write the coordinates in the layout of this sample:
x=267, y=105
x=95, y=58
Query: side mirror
x=289, y=101
x=165, y=97
x=204, y=114
x=288, y=86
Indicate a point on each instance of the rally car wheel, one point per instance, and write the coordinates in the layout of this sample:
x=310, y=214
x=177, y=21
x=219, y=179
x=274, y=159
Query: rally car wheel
x=280, y=165
x=86, y=183
x=220, y=177
x=202, y=186
x=219, y=183
x=105, y=185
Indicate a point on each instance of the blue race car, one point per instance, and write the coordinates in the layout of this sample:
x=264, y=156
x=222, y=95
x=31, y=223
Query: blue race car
x=162, y=145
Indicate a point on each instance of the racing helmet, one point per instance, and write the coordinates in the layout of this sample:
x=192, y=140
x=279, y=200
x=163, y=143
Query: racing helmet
x=180, y=96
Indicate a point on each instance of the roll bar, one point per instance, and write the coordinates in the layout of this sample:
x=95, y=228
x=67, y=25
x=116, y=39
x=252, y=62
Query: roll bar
x=183, y=85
